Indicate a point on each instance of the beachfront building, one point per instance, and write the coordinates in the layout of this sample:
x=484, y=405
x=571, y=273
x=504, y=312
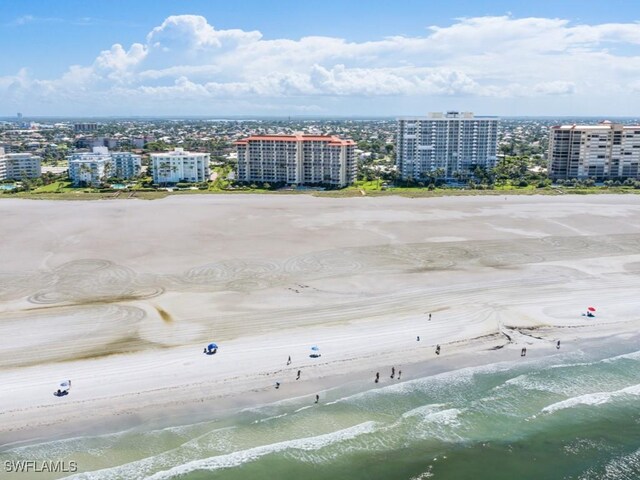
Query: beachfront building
x=125, y=165
x=297, y=160
x=603, y=151
x=94, y=168
x=445, y=145
x=20, y=166
x=3, y=165
x=90, y=169
x=179, y=166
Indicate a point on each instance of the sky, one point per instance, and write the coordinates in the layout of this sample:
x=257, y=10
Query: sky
x=319, y=58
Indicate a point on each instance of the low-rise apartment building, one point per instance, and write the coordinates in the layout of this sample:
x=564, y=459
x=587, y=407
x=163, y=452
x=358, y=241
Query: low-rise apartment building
x=180, y=166
x=94, y=168
x=20, y=166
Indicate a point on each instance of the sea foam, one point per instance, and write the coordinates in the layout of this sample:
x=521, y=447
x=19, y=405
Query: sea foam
x=597, y=398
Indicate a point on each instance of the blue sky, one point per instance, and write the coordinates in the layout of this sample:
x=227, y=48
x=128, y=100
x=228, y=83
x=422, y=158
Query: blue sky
x=326, y=58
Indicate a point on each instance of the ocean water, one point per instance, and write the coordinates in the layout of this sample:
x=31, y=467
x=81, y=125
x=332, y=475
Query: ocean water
x=572, y=415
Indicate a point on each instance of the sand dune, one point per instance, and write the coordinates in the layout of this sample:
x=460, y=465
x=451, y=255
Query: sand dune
x=121, y=296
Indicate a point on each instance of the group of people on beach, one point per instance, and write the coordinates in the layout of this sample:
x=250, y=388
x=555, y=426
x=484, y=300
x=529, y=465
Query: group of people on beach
x=297, y=378
x=393, y=374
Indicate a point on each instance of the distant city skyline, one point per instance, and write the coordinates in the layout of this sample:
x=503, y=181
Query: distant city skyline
x=92, y=59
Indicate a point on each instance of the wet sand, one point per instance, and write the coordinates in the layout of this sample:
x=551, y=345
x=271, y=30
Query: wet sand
x=121, y=296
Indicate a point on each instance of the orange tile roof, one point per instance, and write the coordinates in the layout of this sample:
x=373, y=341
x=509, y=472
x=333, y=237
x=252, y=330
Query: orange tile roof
x=331, y=139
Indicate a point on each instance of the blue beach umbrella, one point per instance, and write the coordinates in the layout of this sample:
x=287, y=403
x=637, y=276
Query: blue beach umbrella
x=315, y=348
x=212, y=346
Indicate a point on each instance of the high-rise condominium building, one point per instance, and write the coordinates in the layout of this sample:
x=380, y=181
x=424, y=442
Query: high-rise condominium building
x=20, y=166
x=179, y=166
x=297, y=160
x=95, y=167
x=447, y=145
x=604, y=151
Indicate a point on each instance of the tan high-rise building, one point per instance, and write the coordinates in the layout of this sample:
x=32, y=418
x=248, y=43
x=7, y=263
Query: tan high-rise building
x=604, y=151
x=297, y=160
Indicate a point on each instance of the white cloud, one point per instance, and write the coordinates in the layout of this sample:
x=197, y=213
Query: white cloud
x=27, y=19
x=194, y=32
x=555, y=88
x=117, y=58
x=187, y=62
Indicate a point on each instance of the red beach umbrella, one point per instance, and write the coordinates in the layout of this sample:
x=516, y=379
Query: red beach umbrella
x=591, y=309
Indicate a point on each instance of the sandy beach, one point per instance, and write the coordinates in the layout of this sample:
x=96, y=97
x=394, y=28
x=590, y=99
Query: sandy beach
x=121, y=296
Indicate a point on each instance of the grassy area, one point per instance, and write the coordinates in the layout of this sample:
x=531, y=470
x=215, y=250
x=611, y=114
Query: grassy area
x=54, y=187
x=64, y=191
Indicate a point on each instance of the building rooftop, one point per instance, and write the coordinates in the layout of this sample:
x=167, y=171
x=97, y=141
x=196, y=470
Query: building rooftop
x=178, y=152
x=604, y=125
x=449, y=116
x=331, y=139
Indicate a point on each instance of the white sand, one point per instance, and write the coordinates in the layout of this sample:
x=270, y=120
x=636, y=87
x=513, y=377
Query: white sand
x=121, y=296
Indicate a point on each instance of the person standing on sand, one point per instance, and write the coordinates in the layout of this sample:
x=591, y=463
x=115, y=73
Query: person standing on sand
x=393, y=372
x=429, y=317
x=418, y=338
x=523, y=352
x=299, y=372
x=377, y=377
x=399, y=374
x=437, y=349
x=317, y=398
x=558, y=345
x=289, y=361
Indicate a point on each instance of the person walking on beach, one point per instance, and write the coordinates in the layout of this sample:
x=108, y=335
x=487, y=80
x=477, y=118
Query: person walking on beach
x=418, y=338
x=289, y=360
x=393, y=372
x=558, y=345
x=299, y=372
x=377, y=377
x=317, y=398
x=523, y=352
x=429, y=317
x=399, y=374
x=437, y=349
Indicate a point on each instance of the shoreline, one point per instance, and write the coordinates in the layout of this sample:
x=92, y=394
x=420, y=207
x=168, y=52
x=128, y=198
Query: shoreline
x=127, y=413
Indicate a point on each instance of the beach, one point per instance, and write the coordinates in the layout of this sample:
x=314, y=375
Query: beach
x=121, y=297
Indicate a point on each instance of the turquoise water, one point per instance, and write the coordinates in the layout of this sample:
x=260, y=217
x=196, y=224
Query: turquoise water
x=7, y=186
x=573, y=415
